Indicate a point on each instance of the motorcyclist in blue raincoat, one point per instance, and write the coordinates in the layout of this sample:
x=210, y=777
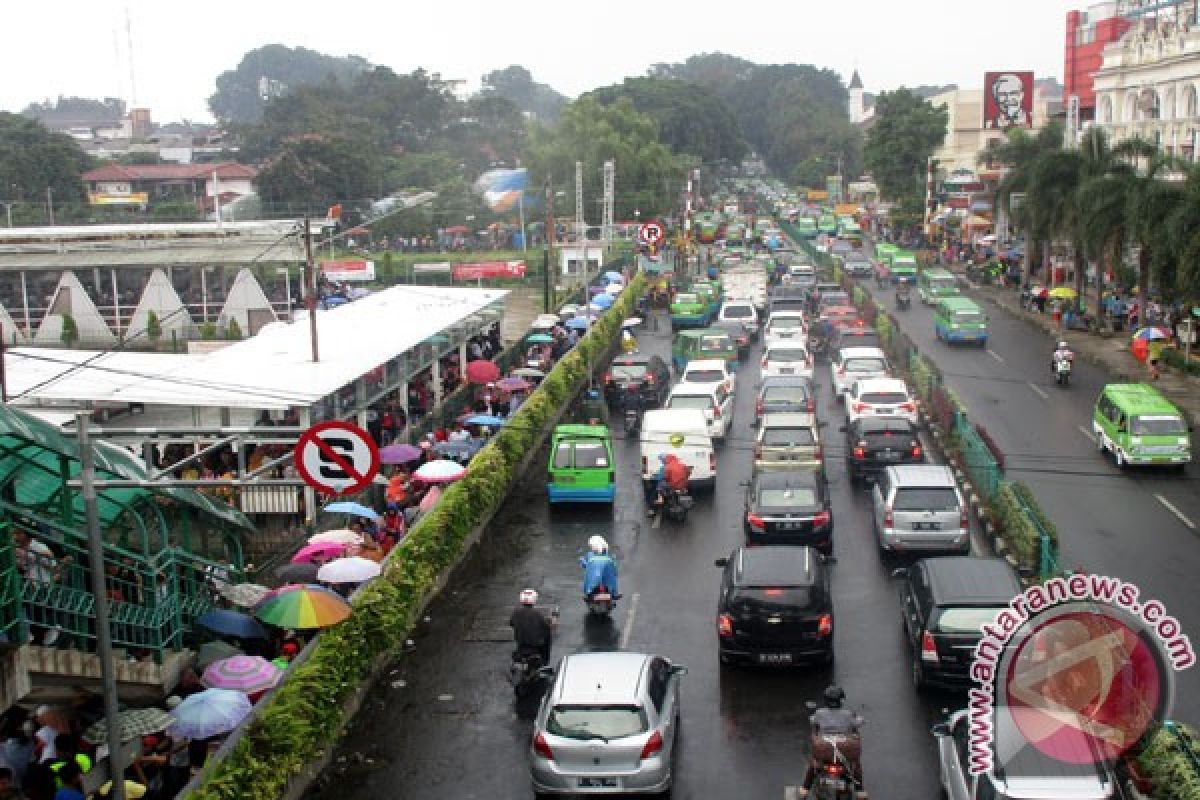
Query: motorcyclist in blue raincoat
x=599, y=568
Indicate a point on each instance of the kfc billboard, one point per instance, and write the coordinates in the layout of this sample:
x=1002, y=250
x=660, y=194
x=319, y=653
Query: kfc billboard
x=1007, y=100
x=488, y=269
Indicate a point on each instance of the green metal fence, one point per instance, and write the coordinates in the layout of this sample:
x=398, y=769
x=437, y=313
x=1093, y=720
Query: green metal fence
x=977, y=458
x=12, y=627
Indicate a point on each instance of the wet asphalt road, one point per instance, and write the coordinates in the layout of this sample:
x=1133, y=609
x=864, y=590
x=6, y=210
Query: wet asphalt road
x=442, y=723
x=1109, y=522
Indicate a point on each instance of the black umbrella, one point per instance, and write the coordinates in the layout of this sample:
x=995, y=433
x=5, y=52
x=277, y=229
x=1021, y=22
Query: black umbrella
x=302, y=572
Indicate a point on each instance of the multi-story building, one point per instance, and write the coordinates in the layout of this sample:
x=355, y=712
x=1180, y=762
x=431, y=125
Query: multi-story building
x=1088, y=33
x=966, y=137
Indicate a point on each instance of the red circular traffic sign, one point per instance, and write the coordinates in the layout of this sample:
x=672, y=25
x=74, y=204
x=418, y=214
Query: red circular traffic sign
x=337, y=458
x=651, y=233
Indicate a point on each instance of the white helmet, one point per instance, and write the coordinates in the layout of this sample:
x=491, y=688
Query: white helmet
x=1063, y=346
x=597, y=545
x=529, y=597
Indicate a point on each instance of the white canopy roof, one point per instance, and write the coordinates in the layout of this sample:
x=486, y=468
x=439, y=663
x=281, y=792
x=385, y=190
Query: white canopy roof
x=272, y=370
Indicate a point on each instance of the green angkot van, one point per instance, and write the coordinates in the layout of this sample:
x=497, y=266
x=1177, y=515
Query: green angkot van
x=934, y=284
x=710, y=291
x=1139, y=426
x=703, y=344
x=959, y=319
x=689, y=310
x=581, y=465
x=902, y=266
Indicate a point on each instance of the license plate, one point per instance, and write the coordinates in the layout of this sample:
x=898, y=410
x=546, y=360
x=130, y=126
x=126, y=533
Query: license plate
x=889, y=455
x=598, y=783
x=789, y=526
x=927, y=526
x=786, y=371
x=880, y=410
x=774, y=658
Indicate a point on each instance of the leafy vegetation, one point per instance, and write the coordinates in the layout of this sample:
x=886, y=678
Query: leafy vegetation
x=34, y=160
x=516, y=84
x=265, y=72
x=1169, y=760
x=907, y=129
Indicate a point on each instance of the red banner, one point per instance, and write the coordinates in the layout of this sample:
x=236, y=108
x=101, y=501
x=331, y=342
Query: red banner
x=488, y=269
x=349, y=270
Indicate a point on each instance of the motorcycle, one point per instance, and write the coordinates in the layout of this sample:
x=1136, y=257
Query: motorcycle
x=525, y=673
x=633, y=418
x=1062, y=371
x=836, y=776
x=676, y=505
x=903, y=300
x=600, y=602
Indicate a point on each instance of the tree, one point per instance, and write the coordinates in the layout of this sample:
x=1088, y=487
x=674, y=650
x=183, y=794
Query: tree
x=153, y=327
x=270, y=71
x=317, y=171
x=81, y=111
x=233, y=331
x=691, y=119
x=907, y=130
x=32, y=160
x=516, y=84
x=1150, y=202
x=70, y=331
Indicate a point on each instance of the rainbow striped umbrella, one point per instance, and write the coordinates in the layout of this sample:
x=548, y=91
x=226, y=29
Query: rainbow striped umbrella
x=303, y=607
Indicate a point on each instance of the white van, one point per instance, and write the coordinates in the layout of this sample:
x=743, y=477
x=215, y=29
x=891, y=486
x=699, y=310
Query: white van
x=683, y=433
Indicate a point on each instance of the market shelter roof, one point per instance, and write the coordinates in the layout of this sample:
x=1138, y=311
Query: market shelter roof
x=272, y=370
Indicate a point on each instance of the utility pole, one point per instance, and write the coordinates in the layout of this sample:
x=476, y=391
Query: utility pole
x=580, y=225
x=310, y=289
x=87, y=480
x=547, y=291
x=49, y=203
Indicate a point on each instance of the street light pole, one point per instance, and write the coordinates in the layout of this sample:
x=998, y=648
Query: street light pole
x=108, y=673
x=50, y=203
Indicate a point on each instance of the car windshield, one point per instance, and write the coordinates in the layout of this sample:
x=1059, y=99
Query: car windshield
x=628, y=372
x=595, y=722
x=884, y=398
x=787, y=437
x=786, y=322
x=789, y=497
x=925, y=499
x=737, y=312
x=965, y=620
x=779, y=354
x=686, y=298
x=968, y=316
x=785, y=394
x=722, y=342
x=702, y=402
x=703, y=376
x=1158, y=426
x=942, y=283
x=865, y=365
x=591, y=454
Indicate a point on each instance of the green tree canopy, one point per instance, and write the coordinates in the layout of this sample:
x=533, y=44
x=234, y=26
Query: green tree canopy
x=691, y=119
x=515, y=83
x=272, y=70
x=32, y=159
x=907, y=129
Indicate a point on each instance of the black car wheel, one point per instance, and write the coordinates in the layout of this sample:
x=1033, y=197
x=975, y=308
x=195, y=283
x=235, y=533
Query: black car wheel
x=918, y=676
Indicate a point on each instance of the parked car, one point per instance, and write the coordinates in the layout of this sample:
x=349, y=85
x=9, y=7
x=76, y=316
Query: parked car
x=608, y=723
x=943, y=603
x=640, y=373
x=852, y=363
x=784, y=393
x=1027, y=772
x=787, y=441
x=775, y=607
x=881, y=397
x=787, y=358
x=790, y=507
x=713, y=399
x=876, y=443
x=918, y=508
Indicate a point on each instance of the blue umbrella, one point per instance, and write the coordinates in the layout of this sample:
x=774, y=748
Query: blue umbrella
x=578, y=323
x=350, y=507
x=232, y=623
x=603, y=300
x=613, y=276
x=209, y=713
x=484, y=419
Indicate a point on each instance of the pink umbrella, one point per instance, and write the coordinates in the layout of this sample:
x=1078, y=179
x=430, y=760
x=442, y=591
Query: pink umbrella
x=319, y=550
x=513, y=384
x=431, y=497
x=481, y=371
x=440, y=471
x=247, y=674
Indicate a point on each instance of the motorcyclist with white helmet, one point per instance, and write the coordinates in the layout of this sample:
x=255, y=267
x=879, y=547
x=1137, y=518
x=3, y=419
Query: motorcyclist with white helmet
x=599, y=568
x=1061, y=353
x=532, y=630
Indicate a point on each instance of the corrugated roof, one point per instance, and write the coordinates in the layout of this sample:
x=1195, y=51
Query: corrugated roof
x=167, y=172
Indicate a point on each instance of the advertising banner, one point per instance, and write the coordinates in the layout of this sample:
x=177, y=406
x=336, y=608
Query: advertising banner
x=432, y=268
x=488, y=269
x=349, y=270
x=1007, y=100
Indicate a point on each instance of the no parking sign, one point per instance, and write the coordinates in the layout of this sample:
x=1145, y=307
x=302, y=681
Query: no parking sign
x=337, y=458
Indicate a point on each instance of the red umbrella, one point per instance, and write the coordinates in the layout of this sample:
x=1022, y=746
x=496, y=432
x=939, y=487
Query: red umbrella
x=456, y=229
x=482, y=371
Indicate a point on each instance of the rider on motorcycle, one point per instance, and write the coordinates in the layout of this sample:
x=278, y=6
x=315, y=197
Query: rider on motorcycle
x=532, y=630
x=834, y=720
x=629, y=343
x=672, y=476
x=599, y=568
x=1061, y=353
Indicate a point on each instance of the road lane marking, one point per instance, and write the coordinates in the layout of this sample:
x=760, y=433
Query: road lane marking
x=657, y=521
x=629, y=618
x=996, y=356
x=1182, y=517
x=1091, y=436
x=1038, y=391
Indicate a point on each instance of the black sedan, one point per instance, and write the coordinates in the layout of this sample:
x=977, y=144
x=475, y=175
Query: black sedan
x=775, y=607
x=789, y=508
x=875, y=443
x=642, y=375
x=741, y=333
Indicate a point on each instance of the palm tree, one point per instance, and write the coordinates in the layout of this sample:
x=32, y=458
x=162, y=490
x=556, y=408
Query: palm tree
x=1020, y=151
x=1152, y=203
x=1181, y=232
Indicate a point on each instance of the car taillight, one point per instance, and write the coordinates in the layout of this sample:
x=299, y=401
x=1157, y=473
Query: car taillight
x=724, y=625
x=888, y=518
x=541, y=748
x=928, y=648
x=821, y=519
x=916, y=450
x=653, y=745
x=841, y=370
x=964, y=520
x=859, y=407
x=758, y=407
x=833, y=769
x=756, y=522
x=812, y=405
x=645, y=466
x=712, y=463
x=825, y=626
x=716, y=412
x=859, y=451
x=650, y=379
x=608, y=377
x=764, y=362
x=758, y=451
x=908, y=407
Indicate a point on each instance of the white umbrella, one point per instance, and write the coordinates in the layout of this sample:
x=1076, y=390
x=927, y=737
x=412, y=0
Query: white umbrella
x=245, y=595
x=632, y=322
x=441, y=471
x=614, y=288
x=339, y=536
x=353, y=569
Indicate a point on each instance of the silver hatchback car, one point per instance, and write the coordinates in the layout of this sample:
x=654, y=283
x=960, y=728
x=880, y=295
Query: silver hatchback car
x=608, y=725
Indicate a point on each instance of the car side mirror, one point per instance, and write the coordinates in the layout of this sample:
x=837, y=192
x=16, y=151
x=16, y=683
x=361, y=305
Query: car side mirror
x=940, y=729
x=899, y=572
x=721, y=562
x=810, y=705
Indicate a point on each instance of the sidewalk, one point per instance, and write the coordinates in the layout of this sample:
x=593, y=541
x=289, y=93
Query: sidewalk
x=1110, y=352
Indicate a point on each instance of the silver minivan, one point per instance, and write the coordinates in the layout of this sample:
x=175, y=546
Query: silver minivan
x=918, y=509
x=608, y=724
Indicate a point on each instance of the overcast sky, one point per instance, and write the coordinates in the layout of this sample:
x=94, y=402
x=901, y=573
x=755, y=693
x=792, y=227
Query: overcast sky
x=72, y=47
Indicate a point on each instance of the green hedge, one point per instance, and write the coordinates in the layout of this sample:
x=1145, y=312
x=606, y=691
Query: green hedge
x=1015, y=526
x=304, y=715
x=1171, y=769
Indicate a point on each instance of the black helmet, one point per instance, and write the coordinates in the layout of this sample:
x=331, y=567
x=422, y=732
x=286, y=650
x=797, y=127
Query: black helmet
x=834, y=697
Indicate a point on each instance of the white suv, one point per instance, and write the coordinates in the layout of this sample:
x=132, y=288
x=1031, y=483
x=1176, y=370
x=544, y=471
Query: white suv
x=787, y=357
x=852, y=364
x=786, y=326
x=709, y=371
x=713, y=399
x=881, y=397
